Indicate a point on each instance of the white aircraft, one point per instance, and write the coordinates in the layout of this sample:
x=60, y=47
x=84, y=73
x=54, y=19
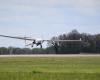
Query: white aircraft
x=39, y=42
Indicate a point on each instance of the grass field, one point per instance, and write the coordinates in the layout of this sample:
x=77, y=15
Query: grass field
x=50, y=68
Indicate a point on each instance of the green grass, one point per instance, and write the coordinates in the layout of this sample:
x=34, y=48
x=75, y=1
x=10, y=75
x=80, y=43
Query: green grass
x=67, y=68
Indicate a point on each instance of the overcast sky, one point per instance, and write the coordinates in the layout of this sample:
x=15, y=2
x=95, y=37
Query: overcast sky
x=47, y=18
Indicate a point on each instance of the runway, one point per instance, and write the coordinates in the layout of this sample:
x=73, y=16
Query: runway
x=53, y=55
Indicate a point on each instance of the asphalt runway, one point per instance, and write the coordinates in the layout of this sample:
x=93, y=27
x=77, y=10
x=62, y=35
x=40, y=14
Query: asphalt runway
x=54, y=55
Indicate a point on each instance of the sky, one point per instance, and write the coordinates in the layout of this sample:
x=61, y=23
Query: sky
x=46, y=18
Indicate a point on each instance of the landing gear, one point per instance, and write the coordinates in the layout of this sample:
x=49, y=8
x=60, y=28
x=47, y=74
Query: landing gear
x=34, y=42
x=39, y=44
x=32, y=45
x=56, y=46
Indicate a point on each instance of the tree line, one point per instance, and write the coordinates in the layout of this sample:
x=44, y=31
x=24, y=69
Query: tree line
x=90, y=44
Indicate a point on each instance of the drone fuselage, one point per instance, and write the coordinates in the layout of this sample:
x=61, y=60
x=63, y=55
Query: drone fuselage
x=38, y=42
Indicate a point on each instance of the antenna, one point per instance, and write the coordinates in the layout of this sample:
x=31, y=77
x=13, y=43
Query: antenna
x=25, y=38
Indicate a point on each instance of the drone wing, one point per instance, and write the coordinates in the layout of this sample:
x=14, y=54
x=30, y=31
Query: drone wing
x=63, y=40
x=21, y=38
